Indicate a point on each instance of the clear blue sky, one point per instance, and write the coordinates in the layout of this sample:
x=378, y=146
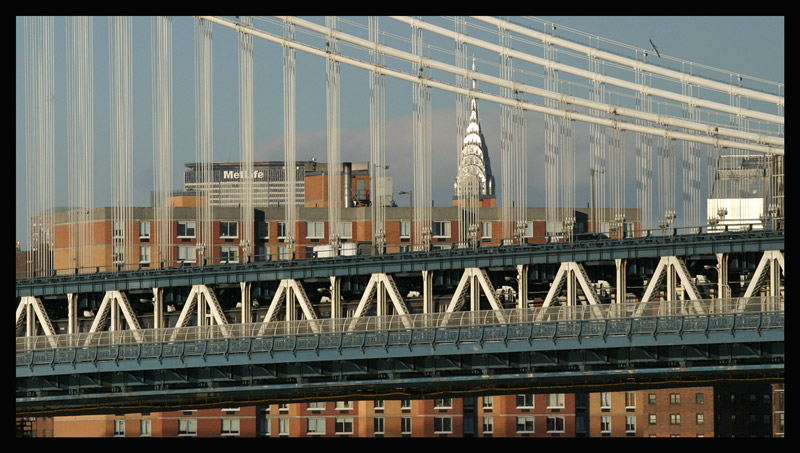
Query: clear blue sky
x=751, y=46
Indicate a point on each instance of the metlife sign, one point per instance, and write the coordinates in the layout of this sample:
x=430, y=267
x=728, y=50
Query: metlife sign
x=238, y=175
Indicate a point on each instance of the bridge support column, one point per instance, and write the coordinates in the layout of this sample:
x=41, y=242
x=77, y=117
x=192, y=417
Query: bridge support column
x=336, y=297
x=522, y=285
x=622, y=283
x=247, y=309
x=427, y=292
x=158, y=308
x=72, y=313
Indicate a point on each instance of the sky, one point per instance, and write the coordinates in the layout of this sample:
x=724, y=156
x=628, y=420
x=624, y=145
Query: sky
x=751, y=46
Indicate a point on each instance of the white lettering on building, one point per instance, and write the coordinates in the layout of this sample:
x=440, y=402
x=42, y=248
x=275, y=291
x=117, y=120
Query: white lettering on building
x=230, y=174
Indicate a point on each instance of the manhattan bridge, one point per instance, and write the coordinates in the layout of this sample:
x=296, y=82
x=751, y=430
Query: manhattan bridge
x=678, y=272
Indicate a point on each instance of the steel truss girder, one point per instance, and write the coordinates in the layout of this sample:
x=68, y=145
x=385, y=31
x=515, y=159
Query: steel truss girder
x=569, y=272
x=378, y=286
x=289, y=291
x=27, y=308
x=670, y=267
x=770, y=261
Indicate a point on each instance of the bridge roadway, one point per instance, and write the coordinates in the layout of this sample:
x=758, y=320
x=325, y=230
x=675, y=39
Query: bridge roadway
x=653, y=246
x=564, y=349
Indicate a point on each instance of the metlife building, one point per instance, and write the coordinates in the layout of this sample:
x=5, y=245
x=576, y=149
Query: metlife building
x=227, y=184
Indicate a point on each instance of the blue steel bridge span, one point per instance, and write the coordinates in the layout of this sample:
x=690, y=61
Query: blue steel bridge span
x=570, y=348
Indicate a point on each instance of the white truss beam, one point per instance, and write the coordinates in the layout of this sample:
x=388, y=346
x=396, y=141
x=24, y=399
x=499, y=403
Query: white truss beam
x=28, y=308
x=673, y=269
x=379, y=285
x=767, y=268
x=203, y=300
x=568, y=274
x=289, y=292
x=473, y=280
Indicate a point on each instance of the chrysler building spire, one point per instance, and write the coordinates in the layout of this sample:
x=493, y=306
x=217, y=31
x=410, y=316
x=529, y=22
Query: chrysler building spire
x=474, y=170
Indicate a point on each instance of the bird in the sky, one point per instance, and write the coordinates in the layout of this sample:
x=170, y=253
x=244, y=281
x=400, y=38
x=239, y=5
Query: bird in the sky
x=655, y=48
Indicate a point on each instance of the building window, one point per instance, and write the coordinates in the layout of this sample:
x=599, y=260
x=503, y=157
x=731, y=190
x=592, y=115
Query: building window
x=262, y=230
x=630, y=424
x=119, y=229
x=118, y=255
x=229, y=254
x=316, y=425
x=144, y=230
x=488, y=425
x=555, y=424
x=377, y=405
x=528, y=229
x=144, y=254
x=486, y=230
x=378, y=425
x=405, y=425
x=674, y=419
x=700, y=419
x=187, y=253
x=580, y=424
x=230, y=427
x=228, y=230
x=344, y=405
x=187, y=427
x=605, y=400
x=315, y=230
x=698, y=398
x=555, y=400
x=525, y=425
x=316, y=406
x=346, y=230
x=652, y=418
x=281, y=230
x=605, y=424
x=443, y=403
x=441, y=229
x=283, y=408
x=119, y=428
x=405, y=229
x=344, y=425
x=674, y=398
x=186, y=229
x=651, y=398
x=405, y=404
x=144, y=427
x=488, y=403
x=525, y=401
x=263, y=427
x=630, y=400
x=283, y=426
x=442, y=425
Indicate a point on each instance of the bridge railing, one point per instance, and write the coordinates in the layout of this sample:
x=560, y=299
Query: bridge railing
x=707, y=309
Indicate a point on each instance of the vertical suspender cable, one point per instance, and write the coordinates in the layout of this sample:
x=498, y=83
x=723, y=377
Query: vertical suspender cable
x=205, y=136
x=161, y=45
x=246, y=137
x=334, y=140
x=80, y=136
x=39, y=96
x=290, y=161
x=121, y=136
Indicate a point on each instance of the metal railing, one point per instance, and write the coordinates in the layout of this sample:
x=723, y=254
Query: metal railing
x=705, y=312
